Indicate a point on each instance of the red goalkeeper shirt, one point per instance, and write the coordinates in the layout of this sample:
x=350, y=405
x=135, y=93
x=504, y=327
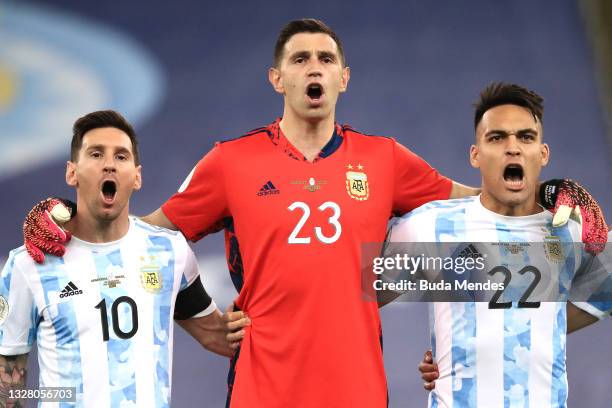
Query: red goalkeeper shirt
x=294, y=231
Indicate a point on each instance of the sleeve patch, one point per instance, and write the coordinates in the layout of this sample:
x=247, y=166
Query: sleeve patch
x=4, y=310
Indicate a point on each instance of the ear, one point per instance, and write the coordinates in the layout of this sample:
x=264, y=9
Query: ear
x=138, y=178
x=71, y=178
x=274, y=76
x=346, y=75
x=474, y=159
x=545, y=151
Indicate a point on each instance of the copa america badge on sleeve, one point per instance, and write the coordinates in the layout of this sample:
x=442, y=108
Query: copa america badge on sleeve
x=4, y=310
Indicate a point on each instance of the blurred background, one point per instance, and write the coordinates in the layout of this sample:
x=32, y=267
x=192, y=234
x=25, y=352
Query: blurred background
x=190, y=73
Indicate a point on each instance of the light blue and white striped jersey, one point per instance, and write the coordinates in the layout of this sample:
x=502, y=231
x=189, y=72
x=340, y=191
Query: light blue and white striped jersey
x=102, y=315
x=493, y=358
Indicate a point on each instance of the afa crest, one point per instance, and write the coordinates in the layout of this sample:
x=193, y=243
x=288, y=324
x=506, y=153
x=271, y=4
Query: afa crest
x=554, y=249
x=357, y=183
x=150, y=278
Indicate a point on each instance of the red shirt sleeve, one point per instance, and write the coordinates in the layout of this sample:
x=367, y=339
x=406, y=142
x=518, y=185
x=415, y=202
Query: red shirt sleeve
x=200, y=205
x=416, y=182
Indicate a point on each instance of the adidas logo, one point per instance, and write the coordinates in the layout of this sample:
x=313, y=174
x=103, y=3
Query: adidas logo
x=470, y=251
x=70, y=290
x=268, y=189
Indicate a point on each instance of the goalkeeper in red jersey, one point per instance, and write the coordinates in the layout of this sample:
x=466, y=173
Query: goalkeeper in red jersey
x=297, y=198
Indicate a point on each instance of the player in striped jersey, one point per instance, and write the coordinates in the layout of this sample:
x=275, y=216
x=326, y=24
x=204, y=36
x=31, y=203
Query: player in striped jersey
x=597, y=307
x=489, y=356
x=102, y=315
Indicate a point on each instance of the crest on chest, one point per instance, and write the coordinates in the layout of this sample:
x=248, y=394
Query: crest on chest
x=150, y=276
x=357, y=182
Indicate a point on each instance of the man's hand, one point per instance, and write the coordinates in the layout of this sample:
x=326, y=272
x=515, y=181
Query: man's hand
x=211, y=332
x=13, y=372
x=429, y=371
x=567, y=199
x=42, y=233
x=234, y=324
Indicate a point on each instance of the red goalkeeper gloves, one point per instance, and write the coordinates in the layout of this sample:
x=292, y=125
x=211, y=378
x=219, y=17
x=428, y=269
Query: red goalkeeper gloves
x=42, y=235
x=567, y=199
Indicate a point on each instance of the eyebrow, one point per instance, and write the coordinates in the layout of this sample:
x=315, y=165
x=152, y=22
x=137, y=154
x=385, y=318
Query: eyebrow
x=119, y=149
x=300, y=54
x=327, y=54
x=307, y=54
x=506, y=132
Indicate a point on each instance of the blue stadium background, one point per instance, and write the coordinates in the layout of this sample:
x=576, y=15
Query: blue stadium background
x=199, y=75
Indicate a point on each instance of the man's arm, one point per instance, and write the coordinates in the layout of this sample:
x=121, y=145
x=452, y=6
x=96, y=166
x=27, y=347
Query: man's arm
x=196, y=312
x=13, y=371
x=460, y=190
x=158, y=218
x=210, y=331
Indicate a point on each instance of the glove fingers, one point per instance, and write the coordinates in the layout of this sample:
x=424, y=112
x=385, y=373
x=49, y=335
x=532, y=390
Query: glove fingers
x=56, y=249
x=595, y=230
x=571, y=195
x=41, y=228
x=41, y=233
x=42, y=225
x=48, y=247
x=594, y=247
x=35, y=253
x=55, y=230
x=52, y=210
x=35, y=223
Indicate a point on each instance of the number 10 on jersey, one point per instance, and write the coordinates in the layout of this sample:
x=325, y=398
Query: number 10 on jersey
x=115, y=316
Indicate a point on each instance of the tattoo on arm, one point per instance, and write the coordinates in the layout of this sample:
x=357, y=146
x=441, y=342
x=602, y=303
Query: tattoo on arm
x=13, y=370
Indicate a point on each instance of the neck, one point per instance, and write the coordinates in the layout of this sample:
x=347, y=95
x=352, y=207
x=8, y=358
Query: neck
x=519, y=209
x=307, y=136
x=97, y=230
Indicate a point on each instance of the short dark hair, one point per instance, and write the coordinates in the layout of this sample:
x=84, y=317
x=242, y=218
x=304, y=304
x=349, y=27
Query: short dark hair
x=101, y=119
x=304, y=25
x=500, y=93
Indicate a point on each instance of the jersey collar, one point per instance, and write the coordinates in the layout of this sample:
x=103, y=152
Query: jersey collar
x=278, y=138
x=103, y=246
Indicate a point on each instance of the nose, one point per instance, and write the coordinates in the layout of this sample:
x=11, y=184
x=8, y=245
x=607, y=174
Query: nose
x=512, y=146
x=314, y=68
x=109, y=165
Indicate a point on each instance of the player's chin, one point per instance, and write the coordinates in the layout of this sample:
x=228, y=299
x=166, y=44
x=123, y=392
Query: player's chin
x=513, y=198
x=314, y=112
x=108, y=213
